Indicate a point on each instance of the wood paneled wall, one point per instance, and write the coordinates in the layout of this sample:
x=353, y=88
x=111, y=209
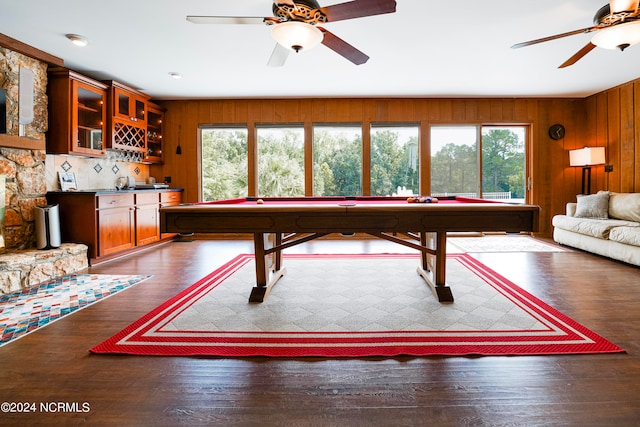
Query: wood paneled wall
x=613, y=122
x=553, y=182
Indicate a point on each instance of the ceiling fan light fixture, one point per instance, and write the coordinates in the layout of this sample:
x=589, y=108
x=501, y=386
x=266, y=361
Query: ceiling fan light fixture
x=622, y=5
x=618, y=36
x=296, y=35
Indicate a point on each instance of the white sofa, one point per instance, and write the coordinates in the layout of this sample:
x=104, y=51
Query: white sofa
x=606, y=224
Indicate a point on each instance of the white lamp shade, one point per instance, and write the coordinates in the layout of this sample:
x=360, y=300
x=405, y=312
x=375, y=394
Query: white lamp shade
x=297, y=35
x=587, y=156
x=625, y=35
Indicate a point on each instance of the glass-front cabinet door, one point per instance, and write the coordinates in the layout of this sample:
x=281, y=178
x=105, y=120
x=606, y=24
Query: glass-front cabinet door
x=155, y=116
x=77, y=114
x=129, y=107
x=90, y=118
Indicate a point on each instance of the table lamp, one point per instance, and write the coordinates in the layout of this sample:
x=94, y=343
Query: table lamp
x=587, y=157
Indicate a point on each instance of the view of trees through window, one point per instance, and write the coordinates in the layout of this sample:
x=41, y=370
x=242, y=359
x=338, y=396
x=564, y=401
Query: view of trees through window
x=337, y=160
x=394, y=160
x=459, y=153
x=280, y=161
x=454, y=160
x=465, y=160
x=224, y=163
x=503, y=162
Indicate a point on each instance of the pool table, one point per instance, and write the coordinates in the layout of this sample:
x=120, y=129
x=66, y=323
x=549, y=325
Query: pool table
x=279, y=223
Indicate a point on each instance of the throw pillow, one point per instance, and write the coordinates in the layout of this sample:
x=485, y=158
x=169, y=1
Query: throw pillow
x=625, y=206
x=593, y=206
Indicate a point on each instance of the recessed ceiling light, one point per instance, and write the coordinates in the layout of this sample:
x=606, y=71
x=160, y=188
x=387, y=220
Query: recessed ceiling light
x=78, y=40
x=176, y=76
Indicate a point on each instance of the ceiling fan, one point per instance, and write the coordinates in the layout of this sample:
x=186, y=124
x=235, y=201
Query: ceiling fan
x=295, y=25
x=616, y=25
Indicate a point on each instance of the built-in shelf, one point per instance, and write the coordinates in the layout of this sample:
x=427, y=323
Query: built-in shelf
x=22, y=142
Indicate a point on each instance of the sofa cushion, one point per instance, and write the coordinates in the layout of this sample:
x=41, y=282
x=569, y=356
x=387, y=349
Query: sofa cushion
x=599, y=228
x=593, y=206
x=625, y=206
x=627, y=235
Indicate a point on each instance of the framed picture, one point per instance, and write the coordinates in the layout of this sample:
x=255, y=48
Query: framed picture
x=68, y=181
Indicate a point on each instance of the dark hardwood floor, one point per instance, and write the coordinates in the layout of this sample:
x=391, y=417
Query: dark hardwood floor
x=53, y=364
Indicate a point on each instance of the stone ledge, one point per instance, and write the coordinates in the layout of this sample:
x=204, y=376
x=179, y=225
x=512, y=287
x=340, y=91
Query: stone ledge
x=23, y=269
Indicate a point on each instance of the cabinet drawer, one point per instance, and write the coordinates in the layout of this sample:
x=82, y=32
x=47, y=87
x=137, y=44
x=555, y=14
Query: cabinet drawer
x=149, y=198
x=115, y=201
x=170, y=197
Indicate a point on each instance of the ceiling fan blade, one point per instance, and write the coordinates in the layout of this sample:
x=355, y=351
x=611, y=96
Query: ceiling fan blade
x=557, y=36
x=617, y=6
x=578, y=56
x=343, y=48
x=225, y=20
x=358, y=9
x=278, y=56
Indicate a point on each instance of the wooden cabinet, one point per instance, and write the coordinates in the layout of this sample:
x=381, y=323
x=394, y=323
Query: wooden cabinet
x=112, y=224
x=86, y=117
x=170, y=198
x=128, y=104
x=127, y=119
x=147, y=218
x=77, y=114
x=116, y=223
x=155, y=117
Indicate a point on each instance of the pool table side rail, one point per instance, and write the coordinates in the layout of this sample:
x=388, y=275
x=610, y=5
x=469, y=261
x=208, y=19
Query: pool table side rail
x=334, y=218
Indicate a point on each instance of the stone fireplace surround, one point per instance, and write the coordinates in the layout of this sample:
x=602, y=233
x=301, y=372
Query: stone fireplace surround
x=30, y=173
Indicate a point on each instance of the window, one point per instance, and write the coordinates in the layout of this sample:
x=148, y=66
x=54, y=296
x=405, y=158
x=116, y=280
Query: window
x=479, y=161
x=337, y=160
x=454, y=161
x=503, y=163
x=224, y=162
x=280, y=161
x=394, y=160
x=468, y=160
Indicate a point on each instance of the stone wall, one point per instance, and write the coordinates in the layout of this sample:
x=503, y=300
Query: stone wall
x=24, y=169
x=22, y=265
x=25, y=189
x=22, y=269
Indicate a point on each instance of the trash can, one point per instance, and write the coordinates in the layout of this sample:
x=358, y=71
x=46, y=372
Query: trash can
x=47, y=227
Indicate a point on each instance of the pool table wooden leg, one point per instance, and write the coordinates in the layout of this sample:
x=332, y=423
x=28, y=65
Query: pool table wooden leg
x=265, y=278
x=424, y=256
x=436, y=276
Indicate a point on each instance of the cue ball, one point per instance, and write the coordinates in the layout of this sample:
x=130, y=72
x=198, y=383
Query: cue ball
x=259, y=201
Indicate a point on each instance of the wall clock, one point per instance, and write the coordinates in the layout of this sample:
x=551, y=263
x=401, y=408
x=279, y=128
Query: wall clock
x=556, y=132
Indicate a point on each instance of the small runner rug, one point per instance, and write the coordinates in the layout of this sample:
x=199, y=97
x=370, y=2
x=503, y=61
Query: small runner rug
x=353, y=306
x=25, y=311
x=508, y=243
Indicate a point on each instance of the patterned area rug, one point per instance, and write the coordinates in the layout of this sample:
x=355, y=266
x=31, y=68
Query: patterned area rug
x=351, y=306
x=25, y=311
x=508, y=243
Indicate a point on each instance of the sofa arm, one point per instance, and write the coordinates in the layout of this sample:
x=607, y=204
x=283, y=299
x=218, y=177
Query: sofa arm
x=571, y=208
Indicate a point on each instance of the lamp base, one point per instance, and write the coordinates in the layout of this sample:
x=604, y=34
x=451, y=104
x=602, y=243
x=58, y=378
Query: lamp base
x=586, y=180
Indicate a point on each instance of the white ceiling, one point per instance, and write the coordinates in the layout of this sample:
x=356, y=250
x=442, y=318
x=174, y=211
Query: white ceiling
x=427, y=48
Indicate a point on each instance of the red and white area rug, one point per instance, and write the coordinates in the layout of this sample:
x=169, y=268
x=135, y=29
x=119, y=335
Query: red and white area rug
x=354, y=306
